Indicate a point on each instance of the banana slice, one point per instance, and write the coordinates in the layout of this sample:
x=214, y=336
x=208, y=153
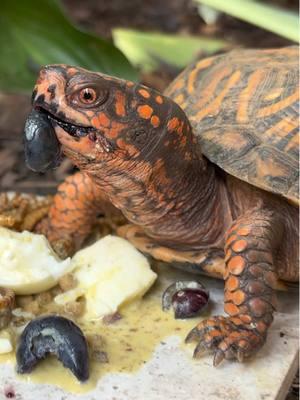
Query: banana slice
x=110, y=272
x=28, y=265
x=6, y=345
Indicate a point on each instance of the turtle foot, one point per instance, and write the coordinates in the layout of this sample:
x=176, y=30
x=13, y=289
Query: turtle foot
x=227, y=337
x=63, y=245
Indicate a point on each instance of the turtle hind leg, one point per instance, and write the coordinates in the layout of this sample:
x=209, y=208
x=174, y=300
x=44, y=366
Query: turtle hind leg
x=249, y=296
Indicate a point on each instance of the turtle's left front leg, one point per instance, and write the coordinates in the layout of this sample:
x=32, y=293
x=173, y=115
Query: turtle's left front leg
x=250, y=278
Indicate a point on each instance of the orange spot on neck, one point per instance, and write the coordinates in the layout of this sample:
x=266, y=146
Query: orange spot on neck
x=173, y=124
x=155, y=121
x=101, y=120
x=159, y=99
x=144, y=93
x=145, y=111
x=120, y=104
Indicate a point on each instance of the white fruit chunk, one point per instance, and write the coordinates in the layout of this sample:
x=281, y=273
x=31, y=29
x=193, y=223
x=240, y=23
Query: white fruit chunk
x=28, y=264
x=110, y=272
x=5, y=342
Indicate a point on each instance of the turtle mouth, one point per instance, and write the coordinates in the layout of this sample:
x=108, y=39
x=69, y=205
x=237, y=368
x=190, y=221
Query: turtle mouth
x=78, y=131
x=74, y=130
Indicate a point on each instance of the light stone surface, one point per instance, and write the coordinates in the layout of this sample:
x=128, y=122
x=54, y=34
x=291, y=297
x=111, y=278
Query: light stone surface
x=172, y=374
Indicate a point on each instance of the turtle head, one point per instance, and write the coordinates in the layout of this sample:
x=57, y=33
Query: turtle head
x=136, y=144
x=112, y=123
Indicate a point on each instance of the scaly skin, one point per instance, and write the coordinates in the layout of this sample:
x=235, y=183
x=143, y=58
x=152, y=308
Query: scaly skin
x=73, y=211
x=249, y=296
x=137, y=148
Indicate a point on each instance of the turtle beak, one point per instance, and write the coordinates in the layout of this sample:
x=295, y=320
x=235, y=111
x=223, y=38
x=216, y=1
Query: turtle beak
x=42, y=148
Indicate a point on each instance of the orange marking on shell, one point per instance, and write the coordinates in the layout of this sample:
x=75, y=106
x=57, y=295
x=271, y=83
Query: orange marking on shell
x=231, y=309
x=193, y=74
x=179, y=99
x=236, y=265
x=145, y=111
x=144, y=93
x=173, y=124
x=209, y=91
x=239, y=246
x=244, y=231
x=214, y=106
x=129, y=84
x=281, y=129
x=273, y=94
x=178, y=84
x=246, y=95
x=280, y=105
x=120, y=104
x=155, y=121
x=159, y=99
x=232, y=283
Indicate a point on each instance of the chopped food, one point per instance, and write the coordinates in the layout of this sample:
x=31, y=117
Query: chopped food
x=7, y=301
x=27, y=263
x=6, y=345
x=188, y=298
x=53, y=335
x=109, y=273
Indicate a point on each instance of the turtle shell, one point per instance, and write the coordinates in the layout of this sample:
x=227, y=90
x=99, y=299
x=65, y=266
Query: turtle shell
x=244, y=109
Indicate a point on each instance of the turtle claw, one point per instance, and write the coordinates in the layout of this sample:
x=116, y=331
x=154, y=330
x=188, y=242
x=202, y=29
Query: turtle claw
x=240, y=355
x=218, y=357
x=226, y=339
x=193, y=335
x=199, y=350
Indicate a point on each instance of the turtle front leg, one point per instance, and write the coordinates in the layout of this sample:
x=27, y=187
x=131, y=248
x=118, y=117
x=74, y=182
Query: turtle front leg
x=249, y=297
x=73, y=212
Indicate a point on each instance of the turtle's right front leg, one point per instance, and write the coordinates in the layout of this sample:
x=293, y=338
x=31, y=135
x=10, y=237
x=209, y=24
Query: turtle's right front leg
x=250, y=279
x=75, y=206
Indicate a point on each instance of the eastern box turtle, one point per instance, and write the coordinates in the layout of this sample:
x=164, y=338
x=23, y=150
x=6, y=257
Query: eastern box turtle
x=206, y=174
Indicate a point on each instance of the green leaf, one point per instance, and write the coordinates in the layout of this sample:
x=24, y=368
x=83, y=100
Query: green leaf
x=274, y=19
x=147, y=50
x=36, y=32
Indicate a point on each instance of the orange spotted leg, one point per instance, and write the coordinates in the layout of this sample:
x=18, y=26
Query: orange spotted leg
x=249, y=290
x=73, y=212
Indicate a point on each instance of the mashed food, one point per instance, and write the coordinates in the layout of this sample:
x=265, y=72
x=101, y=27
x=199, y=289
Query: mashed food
x=109, y=273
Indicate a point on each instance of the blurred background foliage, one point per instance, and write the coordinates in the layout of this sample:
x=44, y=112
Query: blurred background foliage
x=38, y=32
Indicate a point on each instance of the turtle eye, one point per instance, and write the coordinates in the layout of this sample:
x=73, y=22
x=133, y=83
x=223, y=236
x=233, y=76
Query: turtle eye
x=89, y=97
